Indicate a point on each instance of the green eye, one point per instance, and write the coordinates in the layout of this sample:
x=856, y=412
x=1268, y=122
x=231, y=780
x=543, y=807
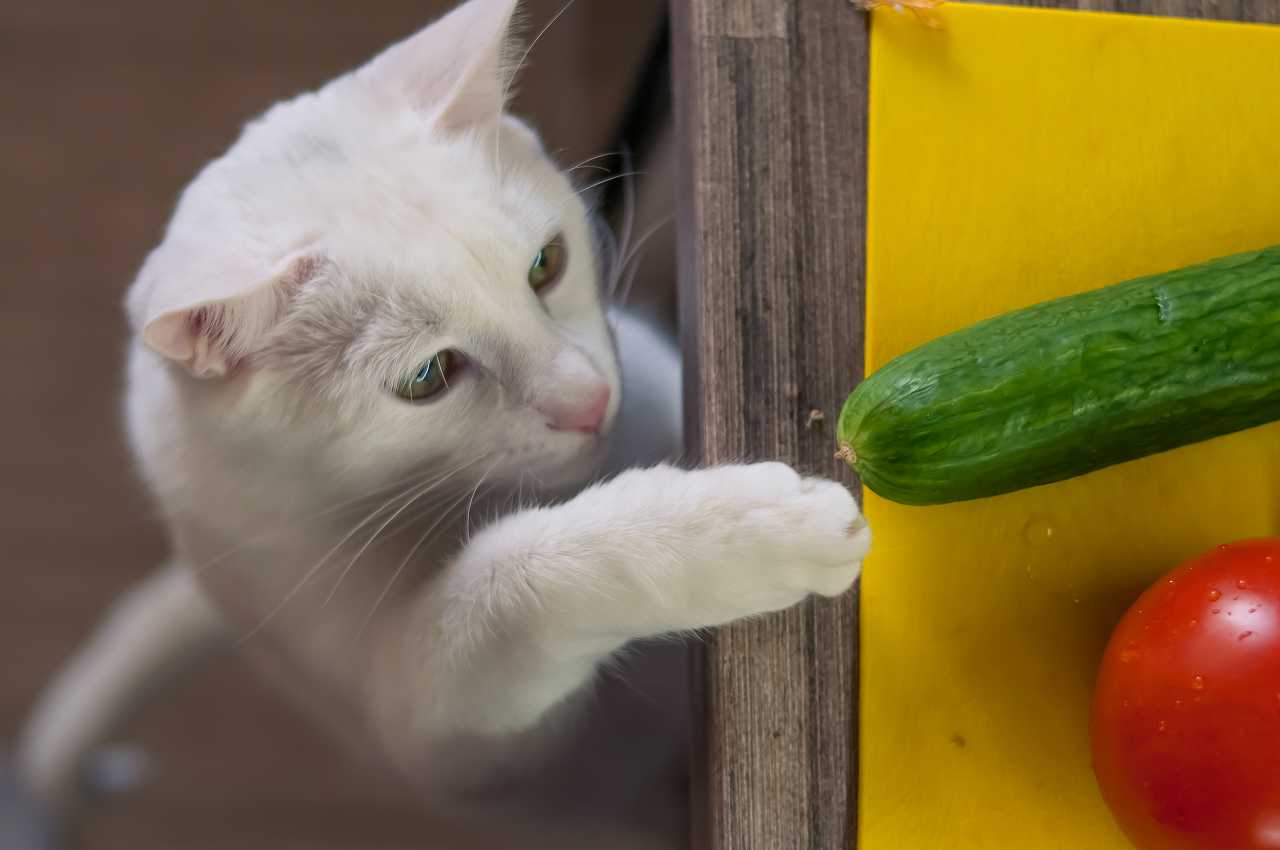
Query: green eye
x=548, y=265
x=431, y=378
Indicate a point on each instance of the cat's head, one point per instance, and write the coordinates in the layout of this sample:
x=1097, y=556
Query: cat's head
x=391, y=272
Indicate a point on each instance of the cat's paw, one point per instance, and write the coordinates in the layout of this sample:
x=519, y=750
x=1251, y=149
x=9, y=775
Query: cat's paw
x=807, y=529
x=782, y=536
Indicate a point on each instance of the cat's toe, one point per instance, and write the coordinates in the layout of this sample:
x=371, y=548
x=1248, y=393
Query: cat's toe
x=834, y=537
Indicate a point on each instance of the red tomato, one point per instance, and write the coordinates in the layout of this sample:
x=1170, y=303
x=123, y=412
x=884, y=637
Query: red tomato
x=1186, y=714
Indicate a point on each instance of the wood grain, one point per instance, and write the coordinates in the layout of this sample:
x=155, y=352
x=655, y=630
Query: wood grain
x=772, y=127
x=771, y=133
x=1260, y=11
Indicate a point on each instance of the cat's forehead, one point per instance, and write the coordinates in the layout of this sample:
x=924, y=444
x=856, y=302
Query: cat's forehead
x=436, y=248
x=352, y=170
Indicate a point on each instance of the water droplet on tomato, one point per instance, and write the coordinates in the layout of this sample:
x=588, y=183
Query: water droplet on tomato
x=1251, y=610
x=1214, y=595
x=1129, y=653
x=1197, y=683
x=1242, y=584
x=1193, y=623
x=1245, y=635
x=1215, y=610
x=1162, y=726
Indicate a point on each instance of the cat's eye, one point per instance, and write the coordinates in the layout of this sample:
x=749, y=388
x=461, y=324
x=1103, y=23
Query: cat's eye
x=430, y=379
x=548, y=265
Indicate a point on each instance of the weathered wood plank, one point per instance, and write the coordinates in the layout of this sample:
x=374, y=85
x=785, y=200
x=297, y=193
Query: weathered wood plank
x=771, y=102
x=1261, y=11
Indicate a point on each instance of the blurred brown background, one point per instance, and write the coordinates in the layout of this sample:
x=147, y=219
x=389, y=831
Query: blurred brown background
x=106, y=111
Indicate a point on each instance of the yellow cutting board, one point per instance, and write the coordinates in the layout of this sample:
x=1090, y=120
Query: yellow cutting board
x=1017, y=155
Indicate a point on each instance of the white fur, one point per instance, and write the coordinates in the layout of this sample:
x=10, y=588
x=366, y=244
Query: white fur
x=151, y=635
x=433, y=580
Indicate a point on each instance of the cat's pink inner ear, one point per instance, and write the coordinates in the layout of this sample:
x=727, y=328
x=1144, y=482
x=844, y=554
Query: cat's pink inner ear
x=457, y=69
x=211, y=337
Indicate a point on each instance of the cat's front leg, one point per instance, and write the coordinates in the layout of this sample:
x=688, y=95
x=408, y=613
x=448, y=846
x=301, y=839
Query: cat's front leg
x=537, y=600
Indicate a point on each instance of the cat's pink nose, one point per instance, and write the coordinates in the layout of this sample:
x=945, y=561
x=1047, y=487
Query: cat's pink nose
x=583, y=416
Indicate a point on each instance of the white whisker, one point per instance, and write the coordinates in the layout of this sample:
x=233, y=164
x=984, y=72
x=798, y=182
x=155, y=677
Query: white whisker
x=336, y=509
x=297, y=588
x=591, y=159
x=444, y=376
x=467, y=524
x=634, y=255
x=605, y=180
x=628, y=223
x=395, y=575
x=646, y=236
x=383, y=528
x=511, y=75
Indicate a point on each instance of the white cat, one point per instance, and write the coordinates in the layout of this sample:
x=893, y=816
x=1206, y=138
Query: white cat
x=372, y=381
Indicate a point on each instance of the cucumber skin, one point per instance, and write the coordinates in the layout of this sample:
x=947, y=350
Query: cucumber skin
x=1063, y=388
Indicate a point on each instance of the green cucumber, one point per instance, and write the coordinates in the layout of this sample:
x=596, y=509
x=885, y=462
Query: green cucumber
x=1070, y=386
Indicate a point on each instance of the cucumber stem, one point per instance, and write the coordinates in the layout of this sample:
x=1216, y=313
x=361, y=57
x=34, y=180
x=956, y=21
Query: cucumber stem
x=847, y=454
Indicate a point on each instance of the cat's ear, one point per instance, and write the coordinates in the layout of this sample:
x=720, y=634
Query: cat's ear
x=209, y=314
x=457, y=70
